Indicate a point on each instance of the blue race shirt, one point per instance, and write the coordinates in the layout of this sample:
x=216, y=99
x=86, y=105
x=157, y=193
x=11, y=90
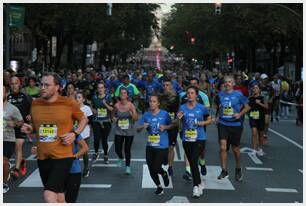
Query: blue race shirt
x=231, y=103
x=76, y=164
x=151, y=88
x=190, y=131
x=156, y=138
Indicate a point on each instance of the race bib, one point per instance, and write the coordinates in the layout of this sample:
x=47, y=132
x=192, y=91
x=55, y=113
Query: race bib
x=47, y=133
x=228, y=111
x=172, y=115
x=123, y=123
x=154, y=139
x=102, y=113
x=254, y=114
x=191, y=135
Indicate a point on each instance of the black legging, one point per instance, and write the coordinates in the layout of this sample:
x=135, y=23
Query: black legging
x=192, y=151
x=72, y=186
x=128, y=140
x=85, y=156
x=155, y=158
x=101, y=133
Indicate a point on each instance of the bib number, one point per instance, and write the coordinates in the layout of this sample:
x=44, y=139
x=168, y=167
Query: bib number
x=123, y=123
x=191, y=135
x=254, y=114
x=228, y=111
x=102, y=113
x=154, y=139
x=47, y=133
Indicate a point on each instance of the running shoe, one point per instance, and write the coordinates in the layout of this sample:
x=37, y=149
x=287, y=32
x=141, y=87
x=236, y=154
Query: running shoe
x=6, y=188
x=223, y=175
x=187, y=176
x=170, y=170
x=159, y=191
x=196, y=192
x=238, y=175
x=128, y=170
x=203, y=170
x=95, y=156
x=86, y=173
x=166, y=179
x=119, y=162
x=15, y=173
x=23, y=168
x=106, y=159
x=260, y=152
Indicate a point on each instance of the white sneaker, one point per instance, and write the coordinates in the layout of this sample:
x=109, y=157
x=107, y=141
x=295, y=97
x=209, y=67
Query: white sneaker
x=201, y=188
x=196, y=192
x=260, y=152
x=254, y=152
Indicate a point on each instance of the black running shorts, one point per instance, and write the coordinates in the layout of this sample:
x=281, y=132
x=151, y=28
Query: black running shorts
x=172, y=136
x=8, y=149
x=54, y=172
x=230, y=133
x=259, y=124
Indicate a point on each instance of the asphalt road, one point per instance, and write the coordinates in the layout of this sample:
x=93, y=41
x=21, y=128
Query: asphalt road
x=276, y=177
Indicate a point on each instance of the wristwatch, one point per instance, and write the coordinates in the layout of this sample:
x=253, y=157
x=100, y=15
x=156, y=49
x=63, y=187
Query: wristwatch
x=76, y=134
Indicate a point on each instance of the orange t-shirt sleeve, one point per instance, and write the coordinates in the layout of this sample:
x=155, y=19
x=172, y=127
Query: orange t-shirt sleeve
x=77, y=113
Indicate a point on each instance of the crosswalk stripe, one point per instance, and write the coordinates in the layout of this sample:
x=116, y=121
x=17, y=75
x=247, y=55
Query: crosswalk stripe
x=104, y=165
x=147, y=181
x=259, y=168
x=211, y=181
x=281, y=190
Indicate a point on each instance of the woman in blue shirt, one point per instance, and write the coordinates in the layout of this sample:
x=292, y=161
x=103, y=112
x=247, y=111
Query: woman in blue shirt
x=192, y=121
x=156, y=121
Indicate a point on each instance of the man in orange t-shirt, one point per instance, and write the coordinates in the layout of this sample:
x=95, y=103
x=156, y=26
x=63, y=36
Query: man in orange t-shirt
x=52, y=119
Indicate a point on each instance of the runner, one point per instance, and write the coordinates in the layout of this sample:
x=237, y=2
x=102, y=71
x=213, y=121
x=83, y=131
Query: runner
x=274, y=107
x=53, y=117
x=267, y=93
x=193, y=115
x=102, y=105
x=170, y=103
x=229, y=125
x=86, y=132
x=133, y=91
x=11, y=119
x=257, y=118
x=125, y=115
x=156, y=121
x=23, y=103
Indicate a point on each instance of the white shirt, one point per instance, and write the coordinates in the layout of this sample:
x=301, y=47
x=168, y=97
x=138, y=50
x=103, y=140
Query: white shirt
x=87, y=111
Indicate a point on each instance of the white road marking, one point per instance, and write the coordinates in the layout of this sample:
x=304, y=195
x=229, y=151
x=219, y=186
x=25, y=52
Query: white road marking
x=96, y=185
x=211, y=182
x=178, y=199
x=254, y=158
x=34, y=180
x=132, y=160
x=246, y=150
x=259, y=168
x=286, y=138
x=180, y=146
x=301, y=171
x=104, y=165
x=281, y=190
x=147, y=181
x=12, y=165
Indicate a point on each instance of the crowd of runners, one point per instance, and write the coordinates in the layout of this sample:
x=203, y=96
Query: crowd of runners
x=61, y=111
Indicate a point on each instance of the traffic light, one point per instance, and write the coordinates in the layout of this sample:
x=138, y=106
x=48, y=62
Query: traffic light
x=217, y=8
